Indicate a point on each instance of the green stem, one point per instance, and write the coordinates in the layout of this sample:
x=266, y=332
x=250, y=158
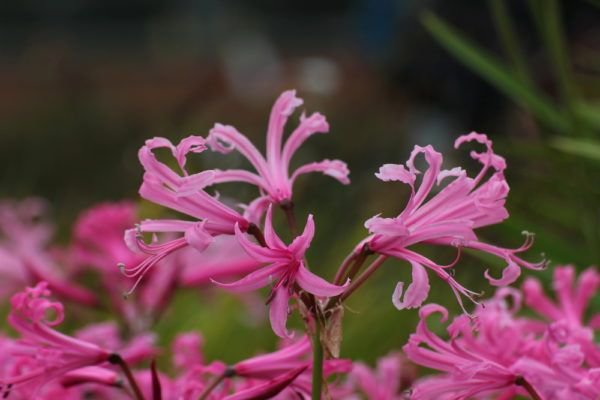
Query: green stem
x=288, y=209
x=212, y=386
x=374, y=266
x=317, y=372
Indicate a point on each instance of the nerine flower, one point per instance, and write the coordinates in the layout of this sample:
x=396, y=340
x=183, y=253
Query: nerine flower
x=387, y=381
x=272, y=175
x=449, y=217
x=472, y=365
x=285, y=268
x=162, y=185
x=43, y=354
x=503, y=354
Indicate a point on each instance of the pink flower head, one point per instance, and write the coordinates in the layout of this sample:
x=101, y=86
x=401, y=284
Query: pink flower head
x=285, y=268
x=43, y=354
x=272, y=172
x=387, y=381
x=448, y=217
x=25, y=256
x=181, y=192
x=472, y=364
x=566, y=316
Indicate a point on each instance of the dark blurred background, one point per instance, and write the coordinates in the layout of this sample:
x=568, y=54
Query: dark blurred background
x=85, y=82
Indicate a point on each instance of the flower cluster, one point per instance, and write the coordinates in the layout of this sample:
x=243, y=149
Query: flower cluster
x=502, y=353
x=134, y=270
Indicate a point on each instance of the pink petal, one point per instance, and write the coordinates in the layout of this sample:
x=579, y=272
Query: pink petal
x=268, y=389
x=198, y=237
x=417, y=291
x=302, y=242
x=336, y=169
x=225, y=138
x=273, y=241
x=509, y=274
x=190, y=144
x=316, y=123
x=284, y=107
x=317, y=285
x=278, y=312
x=254, y=211
x=193, y=183
x=396, y=172
x=253, y=281
x=386, y=226
x=259, y=253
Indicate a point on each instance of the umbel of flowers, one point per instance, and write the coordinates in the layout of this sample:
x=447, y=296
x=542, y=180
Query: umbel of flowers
x=221, y=244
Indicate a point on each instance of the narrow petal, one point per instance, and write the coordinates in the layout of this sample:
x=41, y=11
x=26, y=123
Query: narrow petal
x=417, y=291
x=273, y=241
x=190, y=144
x=316, y=123
x=278, y=312
x=268, y=389
x=259, y=253
x=317, y=285
x=195, y=182
x=302, y=242
x=253, y=281
x=284, y=107
x=334, y=168
x=225, y=138
x=396, y=172
x=509, y=274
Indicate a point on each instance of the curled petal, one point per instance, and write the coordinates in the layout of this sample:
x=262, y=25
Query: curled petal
x=198, y=237
x=509, y=274
x=317, y=285
x=316, y=123
x=396, y=172
x=417, y=291
x=254, y=211
x=487, y=158
x=278, y=312
x=336, y=169
x=284, y=107
x=386, y=226
x=191, y=144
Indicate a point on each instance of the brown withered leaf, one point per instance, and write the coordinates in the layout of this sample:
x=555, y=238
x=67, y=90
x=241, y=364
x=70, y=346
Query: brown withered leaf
x=331, y=335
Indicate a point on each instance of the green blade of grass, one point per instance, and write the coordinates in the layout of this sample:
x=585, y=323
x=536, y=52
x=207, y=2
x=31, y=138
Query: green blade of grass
x=492, y=70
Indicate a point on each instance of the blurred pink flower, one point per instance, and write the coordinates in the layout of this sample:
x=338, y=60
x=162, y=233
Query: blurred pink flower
x=42, y=354
x=449, y=218
x=386, y=381
x=25, y=255
x=285, y=267
x=272, y=175
x=498, y=352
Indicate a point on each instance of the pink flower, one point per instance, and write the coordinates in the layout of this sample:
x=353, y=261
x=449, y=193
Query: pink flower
x=272, y=175
x=43, y=354
x=500, y=353
x=285, y=268
x=25, y=256
x=166, y=187
x=566, y=317
x=449, y=218
x=472, y=364
x=387, y=381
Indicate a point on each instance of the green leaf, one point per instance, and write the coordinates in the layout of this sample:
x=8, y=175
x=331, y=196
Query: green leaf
x=579, y=147
x=495, y=72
